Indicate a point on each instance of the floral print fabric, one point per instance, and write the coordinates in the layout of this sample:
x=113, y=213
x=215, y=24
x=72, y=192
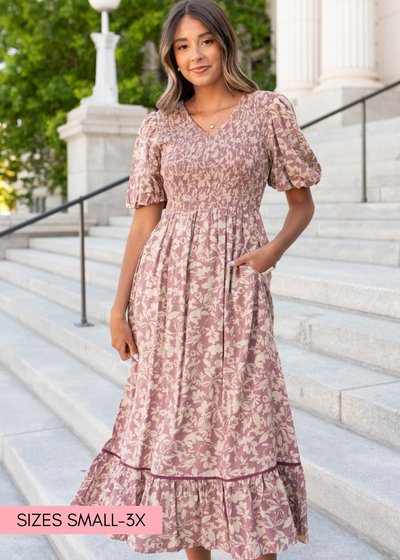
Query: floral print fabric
x=204, y=427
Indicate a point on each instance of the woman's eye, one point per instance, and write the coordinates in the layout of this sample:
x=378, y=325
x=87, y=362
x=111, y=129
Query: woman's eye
x=179, y=48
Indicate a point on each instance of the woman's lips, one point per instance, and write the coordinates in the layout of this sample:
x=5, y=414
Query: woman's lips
x=200, y=70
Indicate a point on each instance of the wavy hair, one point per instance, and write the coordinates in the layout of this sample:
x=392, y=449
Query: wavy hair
x=217, y=22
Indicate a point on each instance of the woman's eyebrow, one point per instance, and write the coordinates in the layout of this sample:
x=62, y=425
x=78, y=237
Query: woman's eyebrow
x=185, y=38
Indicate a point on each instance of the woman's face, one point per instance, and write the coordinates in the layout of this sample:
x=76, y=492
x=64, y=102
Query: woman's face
x=192, y=50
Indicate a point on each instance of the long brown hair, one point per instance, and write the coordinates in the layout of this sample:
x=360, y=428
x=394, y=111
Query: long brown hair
x=217, y=22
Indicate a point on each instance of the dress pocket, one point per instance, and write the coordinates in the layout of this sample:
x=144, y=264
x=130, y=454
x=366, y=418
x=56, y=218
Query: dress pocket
x=266, y=274
x=265, y=278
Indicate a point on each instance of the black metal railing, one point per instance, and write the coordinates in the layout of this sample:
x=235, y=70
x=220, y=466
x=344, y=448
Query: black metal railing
x=80, y=200
x=364, y=135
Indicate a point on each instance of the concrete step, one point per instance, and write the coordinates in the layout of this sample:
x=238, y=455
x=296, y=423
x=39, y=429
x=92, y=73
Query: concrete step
x=48, y=464
x=385, y=230
x=339, y=211
x=351, y=477
x=363, y=400
x=123, y=221
x=110, y=251
x=382, y=230
x=96, y=273
x=386, y=125
x=374, y=194
x=62, y=223
x=112, y=232
x=349, y=177
x=361, y=339
x=359, y=287
x=60, y=290
x=35, y=445
x=383, y=138
x=391, y=194
x=366, y=401
x=384, y=167
x=386, y=253
x=346, y=157
x=364, y=288
x=342, y=543
x=83, y=400
x=322, y=193
x=20, y=547
x=90, y=345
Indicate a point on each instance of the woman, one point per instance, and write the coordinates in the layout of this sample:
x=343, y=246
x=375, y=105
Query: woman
x=204, y=427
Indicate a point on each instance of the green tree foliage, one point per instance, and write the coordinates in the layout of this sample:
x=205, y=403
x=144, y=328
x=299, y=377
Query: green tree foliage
x=48, y=63
x=8, y=198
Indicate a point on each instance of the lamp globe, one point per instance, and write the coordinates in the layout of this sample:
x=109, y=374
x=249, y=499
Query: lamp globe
x=104, y=5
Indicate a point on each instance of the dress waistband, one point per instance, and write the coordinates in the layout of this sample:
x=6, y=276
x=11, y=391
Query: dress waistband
x=187, y=207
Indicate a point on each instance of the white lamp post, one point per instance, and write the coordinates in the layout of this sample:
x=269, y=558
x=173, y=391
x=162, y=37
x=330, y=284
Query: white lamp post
x=105, y=91
x=100, y=132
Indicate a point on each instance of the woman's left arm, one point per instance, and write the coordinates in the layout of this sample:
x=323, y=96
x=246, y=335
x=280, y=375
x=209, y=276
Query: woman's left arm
x=301, y=211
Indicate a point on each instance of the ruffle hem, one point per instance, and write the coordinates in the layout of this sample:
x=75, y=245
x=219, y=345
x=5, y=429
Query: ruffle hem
x=247, y=517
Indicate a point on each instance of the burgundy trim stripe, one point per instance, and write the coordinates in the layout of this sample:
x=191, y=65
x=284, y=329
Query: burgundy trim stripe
x=200, y=477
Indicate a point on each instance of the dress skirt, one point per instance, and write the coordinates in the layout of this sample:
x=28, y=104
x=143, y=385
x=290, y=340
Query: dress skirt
x=204, y=427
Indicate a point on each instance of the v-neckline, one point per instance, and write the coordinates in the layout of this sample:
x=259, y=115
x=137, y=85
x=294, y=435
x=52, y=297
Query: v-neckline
x=229, y=119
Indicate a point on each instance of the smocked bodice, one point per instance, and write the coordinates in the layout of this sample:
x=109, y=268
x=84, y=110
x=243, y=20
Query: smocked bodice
x=175, y=160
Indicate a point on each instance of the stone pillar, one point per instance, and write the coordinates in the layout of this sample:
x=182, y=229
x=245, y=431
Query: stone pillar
x=348, y=45
x=150, y=62
x=388, y=39
x=297, y=46
x=100, y=143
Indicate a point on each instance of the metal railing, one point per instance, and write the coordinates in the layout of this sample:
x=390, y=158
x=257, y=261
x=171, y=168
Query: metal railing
x=364, y=135
x=80, y=200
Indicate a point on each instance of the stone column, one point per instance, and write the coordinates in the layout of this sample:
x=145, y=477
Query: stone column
x=297, y=46
x=388, y=39
x=100, y=143
x=348, y=45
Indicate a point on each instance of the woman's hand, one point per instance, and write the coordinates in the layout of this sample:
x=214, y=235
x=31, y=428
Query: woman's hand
x=261, y=259
x=122, y=339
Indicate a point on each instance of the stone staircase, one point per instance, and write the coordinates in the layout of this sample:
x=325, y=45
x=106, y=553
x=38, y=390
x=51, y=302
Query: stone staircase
x=336, y=297
x=338, y=332
x=339, y=152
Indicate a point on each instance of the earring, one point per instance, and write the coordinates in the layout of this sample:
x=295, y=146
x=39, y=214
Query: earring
x=179, y=69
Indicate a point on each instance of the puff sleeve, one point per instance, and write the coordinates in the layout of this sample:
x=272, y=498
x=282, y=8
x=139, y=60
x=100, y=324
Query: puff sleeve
x=146, y=184
x=293, y=164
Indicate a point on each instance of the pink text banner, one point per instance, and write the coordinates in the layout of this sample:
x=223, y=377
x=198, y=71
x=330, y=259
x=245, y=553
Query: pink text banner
x=79, y=520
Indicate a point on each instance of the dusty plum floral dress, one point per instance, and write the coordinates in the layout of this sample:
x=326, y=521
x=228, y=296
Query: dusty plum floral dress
x=204, y=427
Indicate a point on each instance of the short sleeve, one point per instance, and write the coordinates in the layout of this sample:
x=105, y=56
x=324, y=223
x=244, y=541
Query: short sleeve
x=146, y=184
x=293, y=164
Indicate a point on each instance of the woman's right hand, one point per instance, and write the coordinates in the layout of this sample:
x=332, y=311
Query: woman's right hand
x=122, y=339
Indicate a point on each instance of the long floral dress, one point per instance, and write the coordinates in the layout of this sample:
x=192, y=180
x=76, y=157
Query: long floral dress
x=204, y=427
